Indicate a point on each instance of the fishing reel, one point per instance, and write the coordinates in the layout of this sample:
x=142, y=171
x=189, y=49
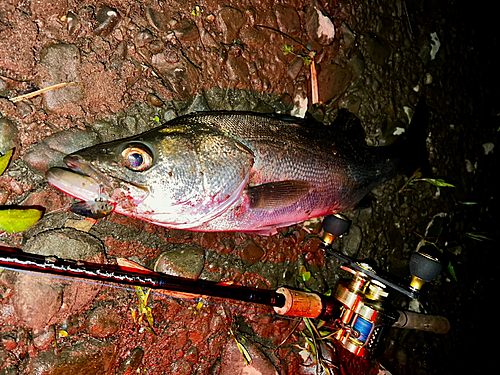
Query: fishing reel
x=365, y=314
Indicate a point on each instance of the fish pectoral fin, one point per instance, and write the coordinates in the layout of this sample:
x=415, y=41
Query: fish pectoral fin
x=276, y=194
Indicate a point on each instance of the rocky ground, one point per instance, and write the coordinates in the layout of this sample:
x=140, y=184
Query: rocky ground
x=137, y=63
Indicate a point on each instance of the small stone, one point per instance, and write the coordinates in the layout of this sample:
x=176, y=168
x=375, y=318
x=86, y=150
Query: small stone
x=187, y=31
x=156, y=19
x=154, y=100
x=288, y=20
x=181, y=260
x=62, y=62
x=88, y=357
x=72, y=22
x=319, y=26
x=231, y=20
x=333, y=82
x=378, y=48
x=108, y=18
x=488, y=147
x=132, y=362
x=233, y=362
x=251, y=252
x=41, y=300
x=102, y=322
x=8, y=135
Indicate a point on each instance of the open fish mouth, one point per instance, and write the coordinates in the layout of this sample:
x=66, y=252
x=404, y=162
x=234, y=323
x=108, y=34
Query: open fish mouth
x=83, y=181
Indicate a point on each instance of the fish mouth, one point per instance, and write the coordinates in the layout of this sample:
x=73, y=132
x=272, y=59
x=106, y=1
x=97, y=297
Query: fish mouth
x=83, y=181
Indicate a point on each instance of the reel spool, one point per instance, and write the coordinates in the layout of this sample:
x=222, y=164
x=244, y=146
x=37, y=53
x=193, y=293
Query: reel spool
x=365, y=314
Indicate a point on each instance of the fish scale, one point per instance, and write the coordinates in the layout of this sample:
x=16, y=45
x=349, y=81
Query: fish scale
x=236, y=171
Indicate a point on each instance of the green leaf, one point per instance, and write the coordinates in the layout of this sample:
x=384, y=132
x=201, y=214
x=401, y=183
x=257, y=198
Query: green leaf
x=287, y=49
x=17, y=220
x=451, y=269
x=437, y=182
x=4, y=161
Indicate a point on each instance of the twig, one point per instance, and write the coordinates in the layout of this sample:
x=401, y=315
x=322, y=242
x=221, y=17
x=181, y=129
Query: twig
x=41, y=91
x=314, y=84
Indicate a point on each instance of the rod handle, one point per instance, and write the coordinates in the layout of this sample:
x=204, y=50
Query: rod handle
x=429, y=323
x=300, y=303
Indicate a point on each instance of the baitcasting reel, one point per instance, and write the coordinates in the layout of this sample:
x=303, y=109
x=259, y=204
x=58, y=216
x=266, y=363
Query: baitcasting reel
x=365, y=314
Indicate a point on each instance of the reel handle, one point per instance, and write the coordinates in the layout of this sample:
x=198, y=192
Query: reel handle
x=429, y=323
x=424, y=267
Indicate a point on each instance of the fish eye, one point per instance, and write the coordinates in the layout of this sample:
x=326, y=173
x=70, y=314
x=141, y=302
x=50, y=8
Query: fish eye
x=136, y=158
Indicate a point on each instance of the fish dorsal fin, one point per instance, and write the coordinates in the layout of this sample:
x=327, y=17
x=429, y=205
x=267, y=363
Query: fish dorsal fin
x=277, y=194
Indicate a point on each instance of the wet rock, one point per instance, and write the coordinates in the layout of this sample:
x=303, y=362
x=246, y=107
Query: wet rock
x=251, y=252
x=300, y=99
x=156, y=19
x=238, y=69
x=39, y=300
x=294, y=67
x=186, y=31
x=51, y=151
x=253, y=37
x=232, y=361
x=132, y=362
x=44, y=340
x=378, y=48
x=103, y=322
x=352, y=241
x=333, y=81
x=62, y=62
x=231, y=20
x=288, y=20
x=89, y=357
x=72, y=23
x=198, y=104
x=182, y=260
x=108, y=18
x=8, y=135
x=154, y=100
x=319, y=26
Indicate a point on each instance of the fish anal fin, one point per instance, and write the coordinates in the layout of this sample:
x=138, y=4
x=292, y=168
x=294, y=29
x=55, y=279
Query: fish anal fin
x=277, y=194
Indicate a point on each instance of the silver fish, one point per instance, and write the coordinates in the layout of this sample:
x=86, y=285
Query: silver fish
x=231, y=171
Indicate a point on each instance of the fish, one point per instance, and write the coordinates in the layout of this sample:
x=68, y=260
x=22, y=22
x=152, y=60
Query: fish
x=234, y=171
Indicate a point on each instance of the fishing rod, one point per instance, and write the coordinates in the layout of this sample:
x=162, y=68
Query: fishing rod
x=357, y=309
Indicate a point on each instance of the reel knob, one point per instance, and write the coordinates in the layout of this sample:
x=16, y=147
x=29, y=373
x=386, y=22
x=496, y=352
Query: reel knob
x=334, y=226
x=424, y=267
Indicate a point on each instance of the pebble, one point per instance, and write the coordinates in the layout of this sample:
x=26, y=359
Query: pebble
x=378, y=48
x=319, y=26
x=131, y=364
x=72, y=23
x=103, y=322
x=8, y=135
x=156, y=19
x=233, y=362
x=181, y=260
x=333, y=81
x=288, y=20
x=251, y=252
x=87, y=357
x=186, y=31
x=154, y=100
x=42, y=300
x=63, y=64
x=108, y=18
x=231, y=20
